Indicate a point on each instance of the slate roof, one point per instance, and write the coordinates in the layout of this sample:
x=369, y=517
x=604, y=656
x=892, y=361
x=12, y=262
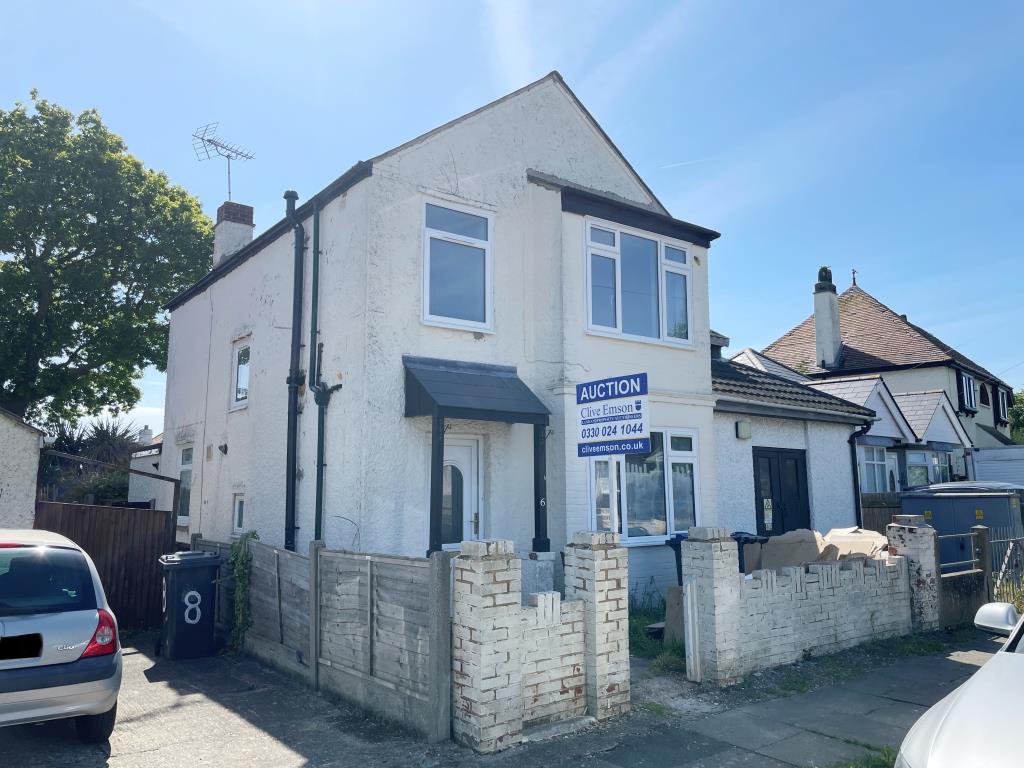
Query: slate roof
x=874, y=338
x=856, y=390
x=918, y=408
x=729, y=378
x=754, y=359
x=995, y=434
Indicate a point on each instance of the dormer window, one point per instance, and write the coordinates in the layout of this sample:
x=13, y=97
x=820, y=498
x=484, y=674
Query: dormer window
x=968, y=397
x=638, y=284
x=1004, y=405
x=986, y=402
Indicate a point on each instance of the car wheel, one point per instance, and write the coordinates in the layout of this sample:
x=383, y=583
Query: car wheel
x=95, y=729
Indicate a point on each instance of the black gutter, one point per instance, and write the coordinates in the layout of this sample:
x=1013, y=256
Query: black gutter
x=361, y=170
x=856, y=471
x=295, y=378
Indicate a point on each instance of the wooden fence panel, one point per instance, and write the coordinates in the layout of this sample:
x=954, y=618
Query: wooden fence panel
x=877, y=510
x=125, y=544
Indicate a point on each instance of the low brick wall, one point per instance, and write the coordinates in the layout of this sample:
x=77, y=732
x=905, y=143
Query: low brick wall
x=515, y=665
x=736, y=625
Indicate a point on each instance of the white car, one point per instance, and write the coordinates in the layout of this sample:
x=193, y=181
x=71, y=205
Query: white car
x=977, y=725
x=60, y=656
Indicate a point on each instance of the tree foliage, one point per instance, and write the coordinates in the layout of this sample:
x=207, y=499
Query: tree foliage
x=108, y=440
x=1017, y=417
x=92, y=244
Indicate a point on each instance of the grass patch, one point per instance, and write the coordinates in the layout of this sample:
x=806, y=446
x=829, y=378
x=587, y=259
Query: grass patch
x=646, y=607
x=671, y=659
x=885, y=758
x=657, y=709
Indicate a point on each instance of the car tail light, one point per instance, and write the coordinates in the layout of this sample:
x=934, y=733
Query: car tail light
x=11, y=545
x=104, y=639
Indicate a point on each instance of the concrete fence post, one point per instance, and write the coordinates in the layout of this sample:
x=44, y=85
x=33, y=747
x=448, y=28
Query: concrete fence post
x=314, y=613
x=487, y=685
x=983, y=554
x=911, y=537
x=711, y=588
x=596, y=572
x=440, y=646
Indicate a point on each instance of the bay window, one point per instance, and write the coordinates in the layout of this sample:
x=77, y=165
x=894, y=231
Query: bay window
x=638, y=284
x=647, y=497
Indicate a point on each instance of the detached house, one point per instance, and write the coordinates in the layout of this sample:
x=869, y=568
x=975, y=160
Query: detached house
x=934, y=404
x=431, y=312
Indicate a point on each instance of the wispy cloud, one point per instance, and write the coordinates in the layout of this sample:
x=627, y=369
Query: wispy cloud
x=508, y=22
x=810, y=145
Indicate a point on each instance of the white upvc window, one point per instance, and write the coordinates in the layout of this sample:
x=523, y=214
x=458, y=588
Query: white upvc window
x=873, y=470
x=639, y=285
x=1004, y=405
x=184, y=485
x=647, y=498
x=457, y=266
x=237, y=513
x=241, y=353
x=970, y=398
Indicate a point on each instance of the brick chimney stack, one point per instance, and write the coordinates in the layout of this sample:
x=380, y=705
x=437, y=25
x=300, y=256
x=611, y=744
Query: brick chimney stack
x=232, y=231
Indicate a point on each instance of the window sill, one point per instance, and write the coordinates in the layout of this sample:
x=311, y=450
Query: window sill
x=454, y=325
x=646, y=541
x=238, y=407
x=681, y=344
x=182, y=521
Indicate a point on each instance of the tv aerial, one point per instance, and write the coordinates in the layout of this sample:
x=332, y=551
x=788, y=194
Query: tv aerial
x=207, y=144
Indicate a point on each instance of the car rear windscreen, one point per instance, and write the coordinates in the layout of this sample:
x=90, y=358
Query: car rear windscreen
x=44, y=580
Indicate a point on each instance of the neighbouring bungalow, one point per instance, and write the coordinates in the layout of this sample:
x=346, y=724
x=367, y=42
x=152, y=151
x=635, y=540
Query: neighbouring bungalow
x=19, y=468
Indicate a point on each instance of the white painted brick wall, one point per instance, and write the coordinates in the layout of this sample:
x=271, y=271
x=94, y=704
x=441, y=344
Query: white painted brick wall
x=737, y=625
x=515, y=665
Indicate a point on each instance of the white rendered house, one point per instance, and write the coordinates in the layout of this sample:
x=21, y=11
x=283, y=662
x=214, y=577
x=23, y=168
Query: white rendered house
x=451, y=294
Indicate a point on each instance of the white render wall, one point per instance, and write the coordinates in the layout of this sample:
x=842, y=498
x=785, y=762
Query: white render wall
x=19, y=465
x=829, y=471
x=377, y=460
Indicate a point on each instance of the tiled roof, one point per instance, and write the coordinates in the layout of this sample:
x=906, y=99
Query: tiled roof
x=856, y=390
x=918, y=408
x=874, y=338
x=746, y=383
x=754, y=359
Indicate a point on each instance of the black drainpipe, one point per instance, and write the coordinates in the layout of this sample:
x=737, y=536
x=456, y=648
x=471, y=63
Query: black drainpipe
x=856, y=473
x=295, y=378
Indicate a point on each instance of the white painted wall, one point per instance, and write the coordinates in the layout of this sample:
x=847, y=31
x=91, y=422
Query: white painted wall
x=829, y=472
x=19, y=465
x=377, y=460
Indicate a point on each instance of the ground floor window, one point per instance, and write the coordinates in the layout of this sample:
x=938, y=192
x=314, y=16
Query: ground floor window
x=647, y=497
x=873, y=476
x=925, y=467
x=238, y=513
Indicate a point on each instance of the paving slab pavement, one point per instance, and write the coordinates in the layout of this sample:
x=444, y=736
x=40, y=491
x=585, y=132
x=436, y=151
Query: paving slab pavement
x=230, y=711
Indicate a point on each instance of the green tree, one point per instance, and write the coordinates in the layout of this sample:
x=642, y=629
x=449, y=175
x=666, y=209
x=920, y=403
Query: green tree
x=1017, y=417
x=92, y=244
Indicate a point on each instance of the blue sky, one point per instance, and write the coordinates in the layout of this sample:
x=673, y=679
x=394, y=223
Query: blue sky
x=885, y=137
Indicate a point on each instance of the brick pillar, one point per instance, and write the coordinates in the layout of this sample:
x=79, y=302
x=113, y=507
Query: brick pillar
x=597, y=573
x=487, y=685
x=711, y=599
x=912, y=537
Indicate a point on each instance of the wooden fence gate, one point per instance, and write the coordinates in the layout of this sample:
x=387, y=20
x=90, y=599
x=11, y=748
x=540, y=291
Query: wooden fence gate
x=124, y=544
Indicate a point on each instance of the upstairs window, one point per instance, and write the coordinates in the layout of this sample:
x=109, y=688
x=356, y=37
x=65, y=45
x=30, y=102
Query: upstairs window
x=638, y=285
x=983, y=395
x=457, y=274
x=970, y=401
x=1004, y=405
x=240, y=389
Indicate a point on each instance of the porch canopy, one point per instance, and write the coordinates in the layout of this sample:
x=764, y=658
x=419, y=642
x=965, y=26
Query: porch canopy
x=452, y=389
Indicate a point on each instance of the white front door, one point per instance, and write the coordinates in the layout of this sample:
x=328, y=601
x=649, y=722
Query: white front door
x=460, y=491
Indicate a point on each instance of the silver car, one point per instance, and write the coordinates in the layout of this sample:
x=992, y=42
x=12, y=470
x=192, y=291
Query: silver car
x=977, y=725
x=60, y=655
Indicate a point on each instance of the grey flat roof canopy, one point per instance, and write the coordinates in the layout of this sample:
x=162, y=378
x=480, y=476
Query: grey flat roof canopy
x=459, y=390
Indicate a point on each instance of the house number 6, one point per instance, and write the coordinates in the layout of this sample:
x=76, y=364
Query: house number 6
x=193, y=612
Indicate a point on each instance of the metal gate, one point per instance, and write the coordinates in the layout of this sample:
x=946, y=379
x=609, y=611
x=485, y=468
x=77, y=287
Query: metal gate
x=1008, y=570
